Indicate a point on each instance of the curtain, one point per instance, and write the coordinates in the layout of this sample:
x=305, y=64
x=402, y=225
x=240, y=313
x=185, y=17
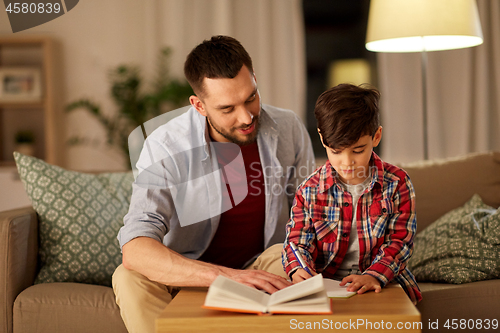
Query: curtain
x=272, y=31
x=463, y=97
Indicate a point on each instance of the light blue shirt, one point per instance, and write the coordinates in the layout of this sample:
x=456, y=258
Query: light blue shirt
x=177, y=193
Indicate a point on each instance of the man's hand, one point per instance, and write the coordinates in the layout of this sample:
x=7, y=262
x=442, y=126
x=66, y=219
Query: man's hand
x=361, y=283
x=172, y=269
x=259, y=279
x=301, y=275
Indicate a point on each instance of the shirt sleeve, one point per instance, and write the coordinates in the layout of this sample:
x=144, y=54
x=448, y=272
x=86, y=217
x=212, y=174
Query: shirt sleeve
x=401, y=227
x=300, y=231
x=151, y=205
x=304, y=164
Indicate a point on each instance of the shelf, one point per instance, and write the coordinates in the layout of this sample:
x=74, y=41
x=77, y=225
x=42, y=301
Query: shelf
x=21, y=105
x=42, y=116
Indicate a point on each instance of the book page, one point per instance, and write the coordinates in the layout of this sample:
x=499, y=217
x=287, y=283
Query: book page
x=224, y=303
x=315, y=303
x=316, y=298
x=308, y=296
x=225, y=288
x=298, y=290
x=333, y=289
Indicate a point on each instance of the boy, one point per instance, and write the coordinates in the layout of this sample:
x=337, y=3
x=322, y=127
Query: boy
x=354, y=218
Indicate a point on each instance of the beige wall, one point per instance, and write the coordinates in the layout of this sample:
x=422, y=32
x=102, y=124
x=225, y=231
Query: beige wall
x=94, y=37
x=100, y=34
x=12, y=194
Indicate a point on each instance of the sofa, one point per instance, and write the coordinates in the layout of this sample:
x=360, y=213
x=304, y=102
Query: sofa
x=440, y=186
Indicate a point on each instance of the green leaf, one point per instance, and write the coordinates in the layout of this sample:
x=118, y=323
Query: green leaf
x=133, y=105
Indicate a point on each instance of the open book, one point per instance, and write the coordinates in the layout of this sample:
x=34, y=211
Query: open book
x=308, y=296
x=334, y=290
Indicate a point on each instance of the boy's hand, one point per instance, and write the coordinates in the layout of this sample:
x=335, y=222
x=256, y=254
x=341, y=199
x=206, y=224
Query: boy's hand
x=361, y=283
x=301, y=275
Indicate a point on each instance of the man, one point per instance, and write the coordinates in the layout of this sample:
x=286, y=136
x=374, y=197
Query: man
x=199, y=207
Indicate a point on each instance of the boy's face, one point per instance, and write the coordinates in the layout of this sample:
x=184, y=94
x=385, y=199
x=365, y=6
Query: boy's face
x=352, y=163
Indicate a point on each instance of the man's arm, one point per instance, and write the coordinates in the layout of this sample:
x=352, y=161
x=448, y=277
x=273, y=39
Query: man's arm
x=152, y=215
x=158, y=263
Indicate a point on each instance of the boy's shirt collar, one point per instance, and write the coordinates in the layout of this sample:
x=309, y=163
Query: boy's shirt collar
x=328, y=176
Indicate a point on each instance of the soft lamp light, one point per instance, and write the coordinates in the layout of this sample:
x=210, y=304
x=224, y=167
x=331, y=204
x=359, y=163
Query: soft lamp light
x=422, y=26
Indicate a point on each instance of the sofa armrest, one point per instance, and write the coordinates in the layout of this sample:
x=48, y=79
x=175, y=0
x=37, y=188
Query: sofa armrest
x=18, y=258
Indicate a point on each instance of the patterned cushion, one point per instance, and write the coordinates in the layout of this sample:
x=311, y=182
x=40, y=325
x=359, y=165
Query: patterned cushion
x=80, y=215
x=461, y=246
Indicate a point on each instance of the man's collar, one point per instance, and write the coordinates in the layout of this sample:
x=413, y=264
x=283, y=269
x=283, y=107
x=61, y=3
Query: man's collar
x=267, y=124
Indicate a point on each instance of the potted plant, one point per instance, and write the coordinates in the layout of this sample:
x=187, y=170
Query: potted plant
x=133, y=105
x=25, y=142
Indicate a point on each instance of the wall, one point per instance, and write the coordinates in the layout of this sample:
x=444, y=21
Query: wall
x=15, y=196
x=94, y=37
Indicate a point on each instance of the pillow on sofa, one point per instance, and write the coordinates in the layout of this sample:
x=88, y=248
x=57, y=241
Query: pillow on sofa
x=461, y=246
x=80, y=215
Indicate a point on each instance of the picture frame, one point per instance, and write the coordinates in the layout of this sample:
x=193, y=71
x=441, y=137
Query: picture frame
x=20, y=84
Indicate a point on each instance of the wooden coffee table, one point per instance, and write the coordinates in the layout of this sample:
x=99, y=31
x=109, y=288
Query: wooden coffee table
x=361, y=313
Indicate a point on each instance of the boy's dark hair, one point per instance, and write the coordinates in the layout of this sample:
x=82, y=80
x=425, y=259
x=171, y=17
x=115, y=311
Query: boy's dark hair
x=219, y=57
x=347, y=112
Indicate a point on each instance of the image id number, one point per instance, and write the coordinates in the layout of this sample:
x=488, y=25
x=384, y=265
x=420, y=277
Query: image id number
x=471, y=324
x=33, y=8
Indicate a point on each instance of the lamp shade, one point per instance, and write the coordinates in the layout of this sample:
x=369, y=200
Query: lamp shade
x=355, y=71
x=422, y=25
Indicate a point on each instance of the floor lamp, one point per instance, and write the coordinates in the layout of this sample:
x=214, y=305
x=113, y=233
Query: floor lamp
x=423, y=26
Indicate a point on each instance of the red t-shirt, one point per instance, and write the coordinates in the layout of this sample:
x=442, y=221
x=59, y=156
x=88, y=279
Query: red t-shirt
x=240, y=235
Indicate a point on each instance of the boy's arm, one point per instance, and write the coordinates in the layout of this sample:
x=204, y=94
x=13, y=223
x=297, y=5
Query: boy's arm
x=298, y=231
x=400, y=230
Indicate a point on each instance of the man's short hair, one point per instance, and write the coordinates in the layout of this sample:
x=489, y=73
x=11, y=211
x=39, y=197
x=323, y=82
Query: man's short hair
x=218, y=57
x=347, y=112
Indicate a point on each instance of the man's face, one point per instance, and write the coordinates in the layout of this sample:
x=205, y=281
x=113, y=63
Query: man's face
x=232, y=107
x=352, y=163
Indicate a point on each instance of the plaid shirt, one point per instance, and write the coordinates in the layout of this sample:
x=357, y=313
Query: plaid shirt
x=321, y=218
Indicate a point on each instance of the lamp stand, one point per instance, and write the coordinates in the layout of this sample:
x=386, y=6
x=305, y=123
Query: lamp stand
x=424, y=103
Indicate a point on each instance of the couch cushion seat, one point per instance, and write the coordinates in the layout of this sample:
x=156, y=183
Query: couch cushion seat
x=473, y=300
x=67, y=307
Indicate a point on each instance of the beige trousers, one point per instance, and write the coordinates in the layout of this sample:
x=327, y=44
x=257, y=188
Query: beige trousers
x=141, y=300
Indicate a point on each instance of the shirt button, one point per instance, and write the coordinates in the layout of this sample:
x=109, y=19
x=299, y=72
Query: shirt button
x=344, y=234
x=384, y=210
x=346, y=204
